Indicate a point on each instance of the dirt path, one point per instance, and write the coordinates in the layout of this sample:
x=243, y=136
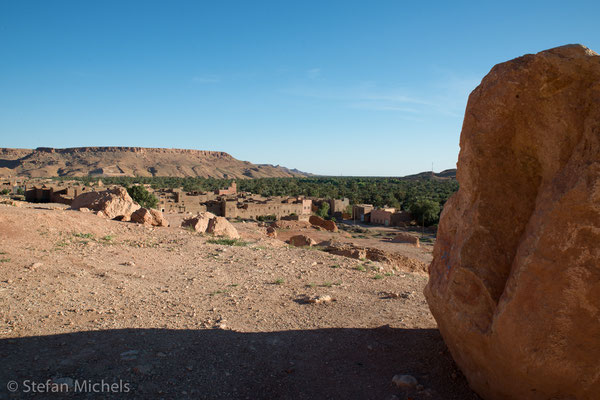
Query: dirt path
x=174, y=316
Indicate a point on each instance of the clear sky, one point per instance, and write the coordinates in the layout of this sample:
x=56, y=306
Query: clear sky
x=329, y=87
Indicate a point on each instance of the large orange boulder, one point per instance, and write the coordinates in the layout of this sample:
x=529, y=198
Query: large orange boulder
x=111, y=203
x=315, y=220
x=207, y=222
x=515, y=280
x=148, y=216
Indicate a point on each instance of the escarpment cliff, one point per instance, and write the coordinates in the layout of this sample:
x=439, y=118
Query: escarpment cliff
x=132, y=161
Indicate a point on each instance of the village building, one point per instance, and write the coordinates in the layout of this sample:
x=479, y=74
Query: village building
x=45, y=193
x=390, y=217
x=275, y=206
x=230, y=191
x=338, y=207
x=231, y=204
x=362, y=212
x=382, y=216
x=401, y=218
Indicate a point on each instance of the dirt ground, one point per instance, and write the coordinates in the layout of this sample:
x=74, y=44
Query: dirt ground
x=163, y=313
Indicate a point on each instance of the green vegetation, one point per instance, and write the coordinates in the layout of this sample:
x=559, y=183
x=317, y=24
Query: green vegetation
x=425, y=211
x=393, y=192
x=266, y=218
x=228, y=242
x=330, y=284
x=323, y=210
x=4, y=260
x=378, y=276
x=278, y=281
x=5, y=191
x=142, y=196
x=83, y=235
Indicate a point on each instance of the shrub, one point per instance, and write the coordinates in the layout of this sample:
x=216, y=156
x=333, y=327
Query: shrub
x=228, y=242
x=266, y=218
x=142, y=196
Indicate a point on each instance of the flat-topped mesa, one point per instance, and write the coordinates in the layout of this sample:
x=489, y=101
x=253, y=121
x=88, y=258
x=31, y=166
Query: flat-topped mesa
x=132, y=161
x=141, y=150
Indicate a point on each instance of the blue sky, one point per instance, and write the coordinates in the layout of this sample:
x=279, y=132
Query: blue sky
x=329, y=87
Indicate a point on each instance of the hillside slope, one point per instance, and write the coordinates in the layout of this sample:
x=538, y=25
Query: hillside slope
x=445, y=174
x=132, y=161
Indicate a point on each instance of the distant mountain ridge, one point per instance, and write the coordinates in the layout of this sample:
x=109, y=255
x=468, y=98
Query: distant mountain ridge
x=445, y=174
x=133, y=161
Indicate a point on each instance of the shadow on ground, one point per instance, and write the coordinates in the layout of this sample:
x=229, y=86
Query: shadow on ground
x=223, y=364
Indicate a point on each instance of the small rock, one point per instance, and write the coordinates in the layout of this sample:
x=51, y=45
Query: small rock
x=320, y=299
x=404, y=381
x=35, y=266
x=129, y=264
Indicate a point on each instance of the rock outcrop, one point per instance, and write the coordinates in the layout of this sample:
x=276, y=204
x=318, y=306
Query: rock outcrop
x=515, y=280
x=395, y=260
x=302, y=241
x=112, y=203
x=403, y=237
x=207, y=222
x=323, y=223
x=148, y=216
x=199, y=222
x=219, y=226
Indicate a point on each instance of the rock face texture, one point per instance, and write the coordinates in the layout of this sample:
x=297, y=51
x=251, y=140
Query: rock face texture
x=515, y=280
x=149, y=216
x=111, y=203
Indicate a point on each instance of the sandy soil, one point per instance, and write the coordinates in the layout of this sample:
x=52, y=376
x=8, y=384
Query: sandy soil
x=170, y=315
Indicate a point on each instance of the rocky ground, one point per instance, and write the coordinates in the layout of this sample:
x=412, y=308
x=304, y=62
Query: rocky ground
x=165, y=313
